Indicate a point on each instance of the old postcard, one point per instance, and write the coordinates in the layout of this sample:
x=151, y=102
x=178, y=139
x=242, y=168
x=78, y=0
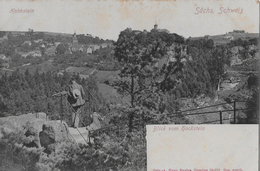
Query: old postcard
x=129, y=85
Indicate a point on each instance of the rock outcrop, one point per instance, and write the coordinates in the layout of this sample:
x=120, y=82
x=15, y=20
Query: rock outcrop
x=53, y=133
x=38, y=131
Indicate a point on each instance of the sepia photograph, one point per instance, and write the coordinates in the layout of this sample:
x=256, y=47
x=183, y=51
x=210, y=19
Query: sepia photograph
x=129, y=85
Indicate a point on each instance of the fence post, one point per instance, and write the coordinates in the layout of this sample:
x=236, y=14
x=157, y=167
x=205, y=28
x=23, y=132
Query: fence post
x=89, y=103
x=47, y=108
x=234, y=112
x=61, y=108
x=220, y=115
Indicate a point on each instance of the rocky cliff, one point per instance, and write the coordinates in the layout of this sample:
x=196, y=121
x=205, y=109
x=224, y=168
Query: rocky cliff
x=39, y=131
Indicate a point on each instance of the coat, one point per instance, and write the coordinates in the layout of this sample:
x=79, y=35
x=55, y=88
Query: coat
x=75, y=95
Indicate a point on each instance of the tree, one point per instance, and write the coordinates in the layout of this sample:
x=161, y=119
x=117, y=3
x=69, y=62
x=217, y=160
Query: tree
x=2, y=33
x=252, y=105
x=30, y=32
x=61, y=49
x=141, y=78
x=209, y=43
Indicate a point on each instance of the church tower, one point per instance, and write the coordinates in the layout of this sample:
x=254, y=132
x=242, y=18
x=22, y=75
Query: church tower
x=74, y=38
x=155, y=26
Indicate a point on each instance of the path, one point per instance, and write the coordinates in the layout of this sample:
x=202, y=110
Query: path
x=80, y=135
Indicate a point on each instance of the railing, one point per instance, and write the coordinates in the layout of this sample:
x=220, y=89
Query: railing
x=234, y=110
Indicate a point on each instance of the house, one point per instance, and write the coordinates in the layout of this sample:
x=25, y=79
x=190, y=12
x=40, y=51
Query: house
x=50, y=44
x=238, y=31
x=76, y=47
x=104, y=45
x=163, y=30
x=27, y=42
x=93, y=47
x=16, y=34
x=89, y=50
x=38, y=41
x=136, y=31
x=230, y=37
x=42, y=45
x=35, y=53
x=57, y=43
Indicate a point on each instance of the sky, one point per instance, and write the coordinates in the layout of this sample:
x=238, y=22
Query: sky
x=107, y=18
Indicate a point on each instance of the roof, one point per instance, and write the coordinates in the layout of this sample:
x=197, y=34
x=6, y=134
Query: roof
x=32, y=53
x=57, y=43
x=27, y=42
x=38, y=40
x=137, y=31
x=163, y=30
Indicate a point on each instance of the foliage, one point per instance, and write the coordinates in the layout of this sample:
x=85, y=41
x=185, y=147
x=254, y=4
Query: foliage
x=112, y=150
x=61, y=49
x=142, y=79
x=2, y=33
x=253, y=111
x=15, y=153
x=23, y=93
x=90, y=40
x=243, y=43
x=252, y=104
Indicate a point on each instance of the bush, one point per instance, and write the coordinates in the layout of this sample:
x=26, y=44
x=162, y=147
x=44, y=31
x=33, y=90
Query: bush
x=15, y=153
x=252, y=108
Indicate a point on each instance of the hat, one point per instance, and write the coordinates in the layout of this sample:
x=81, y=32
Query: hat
x=76, y=93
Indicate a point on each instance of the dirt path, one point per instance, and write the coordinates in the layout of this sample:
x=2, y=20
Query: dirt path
x=80, y=135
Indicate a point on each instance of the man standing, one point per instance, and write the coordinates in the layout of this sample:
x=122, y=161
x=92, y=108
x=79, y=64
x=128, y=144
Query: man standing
x=75, y=98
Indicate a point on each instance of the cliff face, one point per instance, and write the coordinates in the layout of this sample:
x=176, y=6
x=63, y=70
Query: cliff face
x=240, y=54
x=38, y=131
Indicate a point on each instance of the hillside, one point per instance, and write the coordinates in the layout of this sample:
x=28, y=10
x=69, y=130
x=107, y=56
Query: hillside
x=144, y=78
x=226, y=38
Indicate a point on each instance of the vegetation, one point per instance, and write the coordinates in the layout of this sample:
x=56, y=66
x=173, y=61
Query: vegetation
x=157, y=70
x=23, y=93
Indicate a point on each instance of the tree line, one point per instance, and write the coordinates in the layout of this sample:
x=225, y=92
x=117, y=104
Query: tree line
x=23, y=93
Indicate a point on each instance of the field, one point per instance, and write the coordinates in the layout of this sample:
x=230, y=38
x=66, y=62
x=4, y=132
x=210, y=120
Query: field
x=219, y=39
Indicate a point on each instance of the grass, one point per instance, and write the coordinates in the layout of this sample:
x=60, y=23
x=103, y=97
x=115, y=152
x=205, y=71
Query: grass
x=106, y=75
